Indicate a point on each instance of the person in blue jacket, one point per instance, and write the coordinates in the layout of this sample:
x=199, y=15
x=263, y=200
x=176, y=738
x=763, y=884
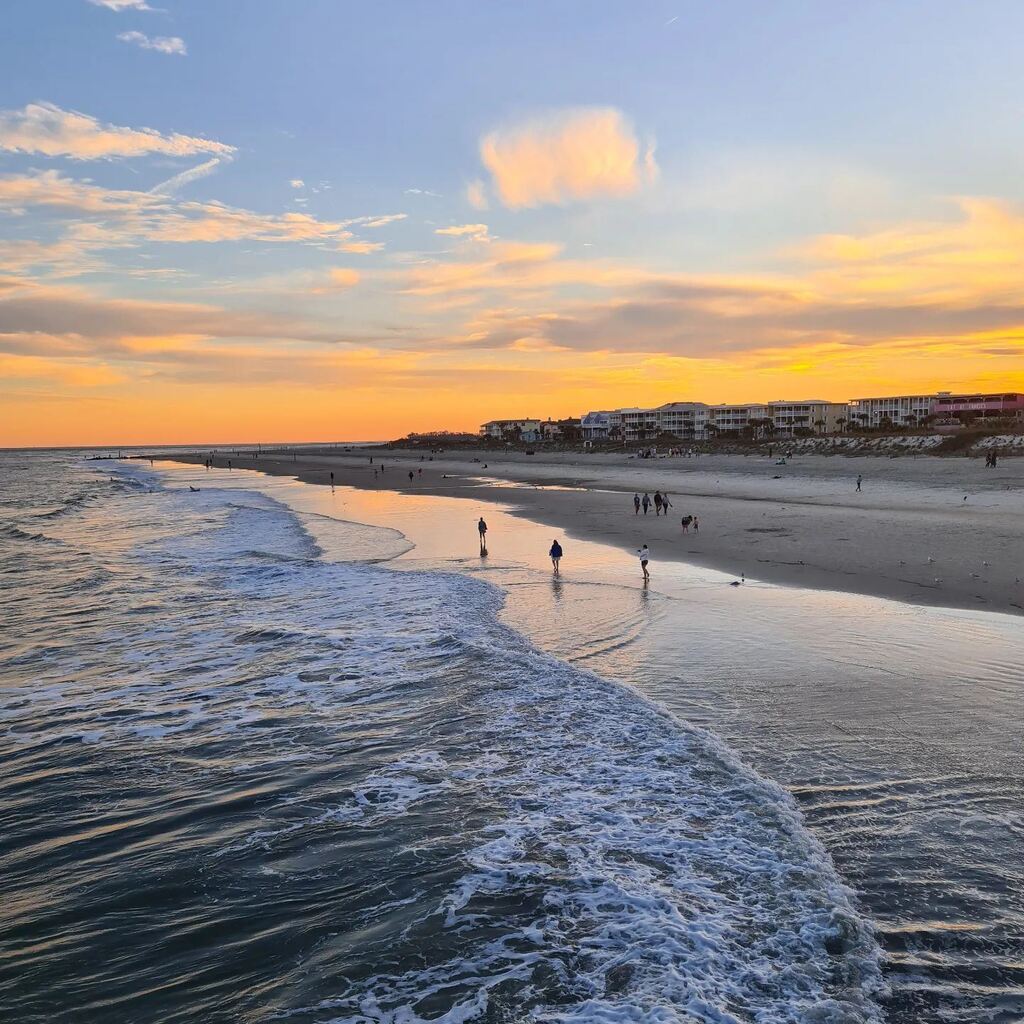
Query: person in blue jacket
x=556, y=554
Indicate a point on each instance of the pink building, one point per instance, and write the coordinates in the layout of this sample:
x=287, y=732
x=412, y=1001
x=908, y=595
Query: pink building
x=998, y=405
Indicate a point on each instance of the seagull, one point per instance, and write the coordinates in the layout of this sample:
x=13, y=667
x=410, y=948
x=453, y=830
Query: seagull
x=985, y=563
x=975, y=576
x=937, y=580
x=930, y=560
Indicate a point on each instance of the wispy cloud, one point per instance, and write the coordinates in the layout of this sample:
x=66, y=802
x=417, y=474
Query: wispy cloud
x=569, y=155
x=421, y=192
x=108, y=219
x=122, y=5
x=174, y=45
x=377, y=222
x=474, y=232
x=172, y=185
x=47, y=130
x=476, y=195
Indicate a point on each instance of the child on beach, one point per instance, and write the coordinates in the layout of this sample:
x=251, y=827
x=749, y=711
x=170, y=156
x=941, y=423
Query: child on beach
x=645, y=556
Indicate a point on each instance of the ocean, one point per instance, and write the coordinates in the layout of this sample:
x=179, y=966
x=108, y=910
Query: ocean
x=272, y=753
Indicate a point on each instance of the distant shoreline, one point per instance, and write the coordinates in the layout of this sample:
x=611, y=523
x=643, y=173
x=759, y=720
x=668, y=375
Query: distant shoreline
x=802, y=524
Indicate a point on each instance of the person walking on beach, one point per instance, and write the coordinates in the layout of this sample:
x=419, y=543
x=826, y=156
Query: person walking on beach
x=332, y=480
x=657, y=503
x=645, y=556
x=482, y=530
x=696, y=525
x=556, y=554
x=665, y=504
x=646, y=503
x=636, y=504
x=411, y=475
x=859, y=479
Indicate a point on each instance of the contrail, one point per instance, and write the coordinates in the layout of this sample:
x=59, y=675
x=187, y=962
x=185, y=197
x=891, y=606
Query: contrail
x=171, y=185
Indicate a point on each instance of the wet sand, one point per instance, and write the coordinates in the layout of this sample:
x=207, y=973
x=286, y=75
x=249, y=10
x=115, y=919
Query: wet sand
x=895, y=727
x=909, y=535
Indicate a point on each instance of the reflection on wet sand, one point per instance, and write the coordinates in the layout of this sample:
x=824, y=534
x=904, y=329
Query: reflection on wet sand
x=897, y=727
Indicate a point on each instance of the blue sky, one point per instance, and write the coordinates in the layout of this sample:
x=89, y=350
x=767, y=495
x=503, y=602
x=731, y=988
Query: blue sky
x=747, y=134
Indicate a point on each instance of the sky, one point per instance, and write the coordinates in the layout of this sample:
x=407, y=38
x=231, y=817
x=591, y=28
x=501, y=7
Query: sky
x=287, y=220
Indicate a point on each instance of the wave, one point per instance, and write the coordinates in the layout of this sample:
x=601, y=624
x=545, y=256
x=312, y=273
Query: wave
x=469, y=829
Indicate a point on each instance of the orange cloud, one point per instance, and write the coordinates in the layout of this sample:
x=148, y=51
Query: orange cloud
x=361, y=248
x=54, y=190
x=343, y=277
x=47, y=130
x=570, y=155
x=78, y=375
x=979, y=255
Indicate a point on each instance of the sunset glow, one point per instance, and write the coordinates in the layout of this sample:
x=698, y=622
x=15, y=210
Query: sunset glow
x=215, y=228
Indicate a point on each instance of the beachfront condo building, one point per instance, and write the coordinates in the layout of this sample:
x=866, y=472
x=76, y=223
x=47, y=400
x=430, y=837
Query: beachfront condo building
x=815, y=415
x=1005, y=405
x=686, y=420
x=640, y=424
x=895, y=410
x=734, y=420
x=913, y=410
x=697, y=421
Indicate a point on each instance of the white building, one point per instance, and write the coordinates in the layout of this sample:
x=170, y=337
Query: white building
x=812, y=414
x=899, y=410
x=685, y=420
x=696, y=421
x=639, y=424
x=736, y=419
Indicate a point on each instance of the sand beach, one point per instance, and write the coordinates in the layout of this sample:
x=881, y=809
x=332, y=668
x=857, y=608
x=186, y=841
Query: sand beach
x=922, y=529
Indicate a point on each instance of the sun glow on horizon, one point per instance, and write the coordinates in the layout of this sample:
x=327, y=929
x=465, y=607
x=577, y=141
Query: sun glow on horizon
x=176, y=271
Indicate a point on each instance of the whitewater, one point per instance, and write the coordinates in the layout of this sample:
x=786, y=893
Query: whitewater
x=248, y=781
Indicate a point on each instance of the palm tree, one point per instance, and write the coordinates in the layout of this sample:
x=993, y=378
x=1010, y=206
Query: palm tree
x=820, y=424
x=840, y=423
